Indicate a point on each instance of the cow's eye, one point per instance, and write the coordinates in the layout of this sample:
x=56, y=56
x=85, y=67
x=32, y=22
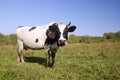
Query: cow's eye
x=65, y=34
x=59, y=32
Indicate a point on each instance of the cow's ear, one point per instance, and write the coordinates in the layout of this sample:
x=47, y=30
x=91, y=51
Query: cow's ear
x=71, y=28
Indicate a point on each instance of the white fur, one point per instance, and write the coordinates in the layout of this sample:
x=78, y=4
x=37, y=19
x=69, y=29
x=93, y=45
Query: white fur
x=27, y=38
x=62, y=26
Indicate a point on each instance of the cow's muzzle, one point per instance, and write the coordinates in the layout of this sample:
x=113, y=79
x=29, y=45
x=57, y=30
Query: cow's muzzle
x=62, y=42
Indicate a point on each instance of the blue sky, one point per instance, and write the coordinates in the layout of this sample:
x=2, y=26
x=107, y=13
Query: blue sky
x=92, y=17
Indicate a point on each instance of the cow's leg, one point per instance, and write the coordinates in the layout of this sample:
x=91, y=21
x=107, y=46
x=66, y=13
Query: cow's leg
x=47, y=59
x=20, y=48
x=53, y=59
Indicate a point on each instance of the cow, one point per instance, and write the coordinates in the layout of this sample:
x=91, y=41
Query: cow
x=48, y=37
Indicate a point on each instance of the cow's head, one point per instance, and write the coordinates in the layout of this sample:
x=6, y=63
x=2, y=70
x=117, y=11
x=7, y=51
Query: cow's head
x=59, y=32
x=64, y=29
x=53, y=33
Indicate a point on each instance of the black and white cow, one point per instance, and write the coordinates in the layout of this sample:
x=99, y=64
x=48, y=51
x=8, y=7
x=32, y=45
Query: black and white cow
x=49, y=37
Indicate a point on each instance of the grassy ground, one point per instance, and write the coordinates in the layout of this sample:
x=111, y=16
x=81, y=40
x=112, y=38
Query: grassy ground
x=95, y=61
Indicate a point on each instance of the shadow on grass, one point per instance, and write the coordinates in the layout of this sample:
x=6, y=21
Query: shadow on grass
x=39, y=60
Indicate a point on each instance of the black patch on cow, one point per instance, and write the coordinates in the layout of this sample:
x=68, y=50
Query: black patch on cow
x=32, y=28
x=65, y=33
x=53, y=34
x=20, y=26
x=37, y=40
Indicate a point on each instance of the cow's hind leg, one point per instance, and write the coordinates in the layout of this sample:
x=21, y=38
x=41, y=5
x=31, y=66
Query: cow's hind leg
x=20, y=49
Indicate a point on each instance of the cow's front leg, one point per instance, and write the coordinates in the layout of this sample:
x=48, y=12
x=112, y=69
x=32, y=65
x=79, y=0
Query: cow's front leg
x=53, y=59
x=47, y=59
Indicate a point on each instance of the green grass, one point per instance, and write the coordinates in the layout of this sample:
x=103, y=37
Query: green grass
x=95, y=61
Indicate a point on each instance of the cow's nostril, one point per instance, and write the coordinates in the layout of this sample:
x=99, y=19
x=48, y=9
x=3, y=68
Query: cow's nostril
x=62, y=42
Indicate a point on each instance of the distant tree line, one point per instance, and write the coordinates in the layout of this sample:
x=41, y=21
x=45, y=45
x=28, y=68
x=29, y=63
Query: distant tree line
x=94, y=39
x=111, y=35
x=11, y=39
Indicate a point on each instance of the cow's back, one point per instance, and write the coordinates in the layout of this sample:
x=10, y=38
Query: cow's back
x=32, y=37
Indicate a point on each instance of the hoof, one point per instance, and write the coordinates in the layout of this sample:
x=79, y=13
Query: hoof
x=20, y=62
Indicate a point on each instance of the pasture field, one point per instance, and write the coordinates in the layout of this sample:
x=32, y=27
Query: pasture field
x=93, y=61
